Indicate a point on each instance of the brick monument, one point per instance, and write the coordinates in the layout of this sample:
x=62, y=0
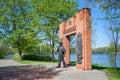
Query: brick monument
x=80, y=25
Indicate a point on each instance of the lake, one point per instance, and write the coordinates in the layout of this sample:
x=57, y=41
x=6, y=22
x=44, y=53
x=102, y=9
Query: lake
x=99, y=58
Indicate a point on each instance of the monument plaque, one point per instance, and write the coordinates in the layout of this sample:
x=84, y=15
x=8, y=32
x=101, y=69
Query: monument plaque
x=79, y=49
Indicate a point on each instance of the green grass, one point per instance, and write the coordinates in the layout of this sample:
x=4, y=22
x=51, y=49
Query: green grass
x=111, y=72
x=31, y=62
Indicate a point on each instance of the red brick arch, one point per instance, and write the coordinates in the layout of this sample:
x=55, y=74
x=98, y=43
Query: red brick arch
x=78, y=25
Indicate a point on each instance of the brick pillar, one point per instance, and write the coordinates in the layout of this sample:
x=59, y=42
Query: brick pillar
x=65, y=41
x=88, y=52
x=79, y=29
x=83, y=20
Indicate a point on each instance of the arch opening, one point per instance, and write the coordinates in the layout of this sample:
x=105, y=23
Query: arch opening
x=72, y=49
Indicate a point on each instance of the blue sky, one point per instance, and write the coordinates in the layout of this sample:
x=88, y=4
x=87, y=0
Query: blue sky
x=101, y=38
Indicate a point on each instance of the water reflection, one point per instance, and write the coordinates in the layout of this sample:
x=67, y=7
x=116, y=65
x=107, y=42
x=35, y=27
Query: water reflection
x=112, y=59
x=99, y=58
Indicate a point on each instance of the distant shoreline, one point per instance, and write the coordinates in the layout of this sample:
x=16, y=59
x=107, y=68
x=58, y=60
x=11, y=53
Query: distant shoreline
x=102, y=53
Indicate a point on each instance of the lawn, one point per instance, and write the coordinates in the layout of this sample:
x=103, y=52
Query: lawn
x=32, y=62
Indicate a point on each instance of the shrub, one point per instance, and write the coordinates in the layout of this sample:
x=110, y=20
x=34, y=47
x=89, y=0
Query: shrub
x=3, y=50
x=37, y=57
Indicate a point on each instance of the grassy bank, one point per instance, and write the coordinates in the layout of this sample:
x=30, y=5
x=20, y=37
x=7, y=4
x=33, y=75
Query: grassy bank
x=110, y=72
x=31, y=61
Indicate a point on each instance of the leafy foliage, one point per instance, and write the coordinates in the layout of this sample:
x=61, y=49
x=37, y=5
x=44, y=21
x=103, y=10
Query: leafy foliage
x=109, y=49
x=4, y=49
x=23, y=21
x=100, y=50
x=51, y=13
x=16, y=25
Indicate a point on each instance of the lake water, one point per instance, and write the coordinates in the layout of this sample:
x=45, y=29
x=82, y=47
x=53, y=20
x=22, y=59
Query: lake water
x=98, y=58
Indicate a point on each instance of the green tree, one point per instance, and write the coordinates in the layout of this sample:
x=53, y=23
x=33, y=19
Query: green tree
x=16, y=22
x=51, y=13
x=119, y=48
x=112, y=10
x=44, y=48
x=100, y=50
x=4, y=48
x=111, y=48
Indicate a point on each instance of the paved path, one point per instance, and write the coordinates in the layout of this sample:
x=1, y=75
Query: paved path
x=69, y=73
x=72, y=73
x=11, y=70
x=8, y=62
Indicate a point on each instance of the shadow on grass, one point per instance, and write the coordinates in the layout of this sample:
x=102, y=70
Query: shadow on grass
x=72, y=63
x=98, y=67
x=26, y=73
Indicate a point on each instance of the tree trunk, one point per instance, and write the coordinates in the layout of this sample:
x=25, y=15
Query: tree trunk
x=53, y=55
x=20, y=53
x=115, y=61
x=52, y=51
x=115, y=56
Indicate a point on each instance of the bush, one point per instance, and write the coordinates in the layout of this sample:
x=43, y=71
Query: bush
x=37, y=57
x=3, y=50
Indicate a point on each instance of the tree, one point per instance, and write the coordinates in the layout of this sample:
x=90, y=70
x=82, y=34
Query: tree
x=51, y=13
x=112, y=10
x=114, y=35
x=16, y=20
x=44, y=48
x=3, y=49
x=111, y=48
x=100, y=50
